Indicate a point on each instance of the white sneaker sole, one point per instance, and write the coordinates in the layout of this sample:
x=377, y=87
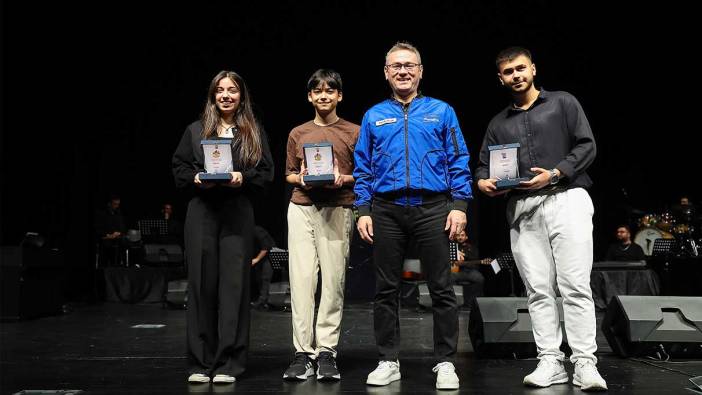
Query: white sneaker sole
x=387, y=381
x=308, y=373
x=223, y=380
x=198, y=379
x=447, y=386
x=335, y=377
x=592, y=387
x=558, y=379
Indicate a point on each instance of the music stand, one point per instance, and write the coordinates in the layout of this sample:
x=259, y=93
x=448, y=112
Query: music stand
x=506, y=262
x=664, y=248
x=279, y=258
x=279, y=292
x=453, y=251
x=153, y=227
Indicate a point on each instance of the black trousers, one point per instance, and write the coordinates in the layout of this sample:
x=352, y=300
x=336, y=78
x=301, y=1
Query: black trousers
x=393, y=226
x=218, y=247
x=473, y=283
x=263, y=273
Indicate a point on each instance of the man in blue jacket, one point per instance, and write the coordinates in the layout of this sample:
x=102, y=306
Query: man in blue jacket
x=412, y=183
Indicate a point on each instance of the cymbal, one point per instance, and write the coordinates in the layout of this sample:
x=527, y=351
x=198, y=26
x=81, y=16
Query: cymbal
x=635, y=211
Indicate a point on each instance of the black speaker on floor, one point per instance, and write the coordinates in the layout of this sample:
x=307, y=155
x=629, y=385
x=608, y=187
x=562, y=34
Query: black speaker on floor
x=501, y=327
x=163, y=254
x=32, y=282
x=648, y=325
x=279, y=295
x=177, y=294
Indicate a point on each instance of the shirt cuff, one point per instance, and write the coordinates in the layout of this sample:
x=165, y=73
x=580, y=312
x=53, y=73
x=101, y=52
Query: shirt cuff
x=566, y=169
x=461, y=205
x=364, y=210
x=481, y=174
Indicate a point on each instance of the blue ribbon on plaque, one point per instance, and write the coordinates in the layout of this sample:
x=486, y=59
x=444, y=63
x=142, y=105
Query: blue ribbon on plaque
x=504, y=166
x=319, y=160
x=218, y=160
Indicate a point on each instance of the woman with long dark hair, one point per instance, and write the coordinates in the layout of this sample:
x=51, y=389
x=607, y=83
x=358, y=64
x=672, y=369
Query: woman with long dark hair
x=218, y=230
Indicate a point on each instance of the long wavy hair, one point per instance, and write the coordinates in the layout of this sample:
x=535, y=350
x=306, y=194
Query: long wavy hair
x=248, y=137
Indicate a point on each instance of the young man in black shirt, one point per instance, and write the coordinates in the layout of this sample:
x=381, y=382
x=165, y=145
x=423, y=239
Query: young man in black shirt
x=550, y=216
x=624, y=250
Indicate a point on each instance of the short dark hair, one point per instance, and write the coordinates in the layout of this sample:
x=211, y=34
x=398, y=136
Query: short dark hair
x=511, y=53
x=331, y=77
x=628, y=229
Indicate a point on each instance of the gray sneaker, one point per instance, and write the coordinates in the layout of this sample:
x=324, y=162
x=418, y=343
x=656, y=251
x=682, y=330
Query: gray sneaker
x=300, y=369
x=326, y=367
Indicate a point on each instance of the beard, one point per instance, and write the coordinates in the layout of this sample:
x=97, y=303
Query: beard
x=525, y=86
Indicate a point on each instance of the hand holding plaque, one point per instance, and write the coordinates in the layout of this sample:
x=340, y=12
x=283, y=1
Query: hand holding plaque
x=504, y=166
x=319, y=160
x=218, y=160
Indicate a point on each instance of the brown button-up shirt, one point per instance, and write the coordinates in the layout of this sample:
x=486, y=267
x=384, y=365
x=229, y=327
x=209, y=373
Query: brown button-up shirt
x=343, y=135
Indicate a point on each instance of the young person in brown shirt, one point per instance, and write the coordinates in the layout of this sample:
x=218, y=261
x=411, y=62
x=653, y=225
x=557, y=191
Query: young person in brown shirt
x=320, y=222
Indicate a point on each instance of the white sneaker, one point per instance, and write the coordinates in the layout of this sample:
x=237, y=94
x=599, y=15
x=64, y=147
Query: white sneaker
x=446, y=378
x=223, y=379
x=385, y=373
x=549, y=371
x=587, y=377
x=198, y=378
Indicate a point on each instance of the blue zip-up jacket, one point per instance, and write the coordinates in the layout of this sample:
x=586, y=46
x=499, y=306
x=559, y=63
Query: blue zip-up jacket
x=411, y=150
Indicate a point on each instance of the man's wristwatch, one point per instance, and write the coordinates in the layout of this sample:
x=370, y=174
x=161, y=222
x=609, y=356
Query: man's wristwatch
x=553, y=180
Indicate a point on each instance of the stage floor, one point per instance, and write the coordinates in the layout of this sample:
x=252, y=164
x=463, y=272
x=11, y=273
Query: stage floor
x=95, y=349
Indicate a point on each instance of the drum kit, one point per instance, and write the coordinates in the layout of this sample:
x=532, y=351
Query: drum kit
x=667, y=226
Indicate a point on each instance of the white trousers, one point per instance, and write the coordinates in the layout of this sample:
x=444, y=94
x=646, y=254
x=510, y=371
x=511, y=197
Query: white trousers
x=318, y=239
x=551, y=237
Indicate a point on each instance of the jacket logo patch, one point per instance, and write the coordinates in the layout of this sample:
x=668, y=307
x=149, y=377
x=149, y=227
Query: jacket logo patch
x=385, y=121
x=431, y=118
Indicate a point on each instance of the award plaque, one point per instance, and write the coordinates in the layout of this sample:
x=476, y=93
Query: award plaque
x=504, y=166
x=319, y=158
x=218, y=160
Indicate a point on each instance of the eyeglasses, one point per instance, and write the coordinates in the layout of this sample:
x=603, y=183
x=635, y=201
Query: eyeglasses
x=396, y=67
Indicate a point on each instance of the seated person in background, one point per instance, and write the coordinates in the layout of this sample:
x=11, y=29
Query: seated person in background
x=684, y=212
x=624, y=250
x=109, y=228
x=262, y=271
x=175, y=227
x=464, y=270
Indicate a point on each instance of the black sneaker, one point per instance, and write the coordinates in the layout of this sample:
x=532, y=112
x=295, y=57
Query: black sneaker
x=300, y=369
x=326, y=367
x=260, y=305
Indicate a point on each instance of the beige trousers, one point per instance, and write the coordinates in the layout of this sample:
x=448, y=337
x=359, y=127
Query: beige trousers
x=318, y=239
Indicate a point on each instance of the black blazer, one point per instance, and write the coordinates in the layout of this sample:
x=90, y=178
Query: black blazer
x=188, y=160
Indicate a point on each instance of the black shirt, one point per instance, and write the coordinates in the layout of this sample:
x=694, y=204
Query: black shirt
x=108, y=221
x=262, y=240
x=552, y=133
x=620, y=252
x=175, y=232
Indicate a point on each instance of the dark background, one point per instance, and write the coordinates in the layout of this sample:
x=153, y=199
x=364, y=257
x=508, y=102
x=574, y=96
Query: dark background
x=95, y=96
